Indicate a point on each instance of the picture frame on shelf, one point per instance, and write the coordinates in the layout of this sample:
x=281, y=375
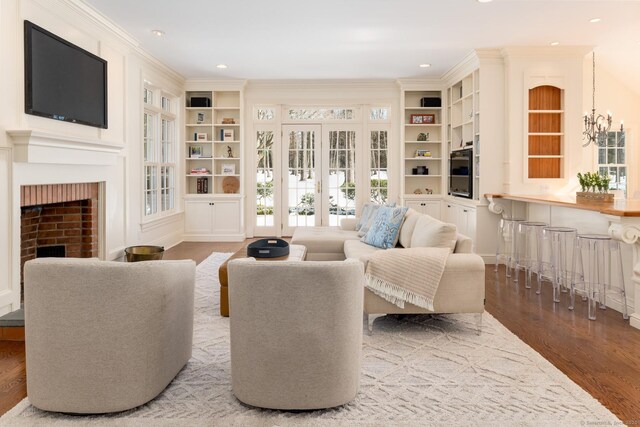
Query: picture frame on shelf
x=195, y=151
x=228, y=169
x=200, y=118
x=422, y=119
x=226, y=134
x=423, y=136
x=201, y=136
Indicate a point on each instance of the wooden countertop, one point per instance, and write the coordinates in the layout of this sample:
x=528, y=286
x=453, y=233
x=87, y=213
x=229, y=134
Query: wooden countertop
x=621, y=207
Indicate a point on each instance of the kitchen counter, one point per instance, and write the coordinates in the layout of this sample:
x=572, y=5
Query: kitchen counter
x=621, y=207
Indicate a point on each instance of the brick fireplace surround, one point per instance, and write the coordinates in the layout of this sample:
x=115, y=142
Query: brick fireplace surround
x=59, y=215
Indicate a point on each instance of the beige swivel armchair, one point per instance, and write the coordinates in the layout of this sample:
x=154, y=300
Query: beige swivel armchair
x=296, y=332
x=105, y=336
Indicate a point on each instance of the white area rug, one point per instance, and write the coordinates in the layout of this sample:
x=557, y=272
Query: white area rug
x=417, y=370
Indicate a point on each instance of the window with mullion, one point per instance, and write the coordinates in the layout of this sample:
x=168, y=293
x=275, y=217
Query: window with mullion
x=612, y=161
x=159, y=154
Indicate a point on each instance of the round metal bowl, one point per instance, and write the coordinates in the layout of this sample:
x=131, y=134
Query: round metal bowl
x=144, y=253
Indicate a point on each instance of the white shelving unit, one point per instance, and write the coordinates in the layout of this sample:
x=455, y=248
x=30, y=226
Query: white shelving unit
x=422, y=135
x=463, y=129
x=213, y=143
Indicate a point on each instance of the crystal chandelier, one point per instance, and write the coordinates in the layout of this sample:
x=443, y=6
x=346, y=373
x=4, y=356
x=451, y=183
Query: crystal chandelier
x=596, y=127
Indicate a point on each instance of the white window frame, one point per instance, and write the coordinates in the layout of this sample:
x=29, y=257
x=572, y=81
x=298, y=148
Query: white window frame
x=161, y=108
x=616, y=165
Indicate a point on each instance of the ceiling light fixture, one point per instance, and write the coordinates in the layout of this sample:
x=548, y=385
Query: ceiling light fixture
x=424, y=65
x=221, y=66
x=554, y=43
x=485, y=1
x=596, y=127
x=594, y=20
x=157, y=33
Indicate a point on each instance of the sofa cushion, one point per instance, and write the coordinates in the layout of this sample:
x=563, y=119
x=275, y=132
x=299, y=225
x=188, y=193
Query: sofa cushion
x=360, y=251
x=429, y=232
x=408, y=226
x=322, y=239
x=386, y=227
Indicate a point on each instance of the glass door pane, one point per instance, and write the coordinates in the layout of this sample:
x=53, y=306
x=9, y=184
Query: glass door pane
x=340, y=174
x=264, y=179
x=301, y=183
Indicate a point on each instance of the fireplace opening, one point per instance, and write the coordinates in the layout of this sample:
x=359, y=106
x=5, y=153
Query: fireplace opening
x=54, y=251
x=59, y=220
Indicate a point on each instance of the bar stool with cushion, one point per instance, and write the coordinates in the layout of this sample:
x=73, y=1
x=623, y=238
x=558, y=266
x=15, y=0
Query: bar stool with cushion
x=598, y=272
x=556, y=258
x=505, y=250
x=527, y=241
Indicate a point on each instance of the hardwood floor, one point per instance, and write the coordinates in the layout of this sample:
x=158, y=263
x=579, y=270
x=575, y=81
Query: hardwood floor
x=601, y=356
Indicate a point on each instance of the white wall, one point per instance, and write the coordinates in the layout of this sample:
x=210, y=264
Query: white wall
x=127, y=65
x=624, y=103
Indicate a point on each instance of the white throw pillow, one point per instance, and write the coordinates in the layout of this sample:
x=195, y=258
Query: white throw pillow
x=408, y=226
x=431, y=233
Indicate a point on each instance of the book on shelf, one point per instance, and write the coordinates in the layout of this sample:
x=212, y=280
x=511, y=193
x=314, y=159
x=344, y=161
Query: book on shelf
x=200, y=171
x=202, y=186
x=226, y=134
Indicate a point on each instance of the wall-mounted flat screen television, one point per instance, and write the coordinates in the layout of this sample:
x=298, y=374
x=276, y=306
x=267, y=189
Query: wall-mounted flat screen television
x=63, y=81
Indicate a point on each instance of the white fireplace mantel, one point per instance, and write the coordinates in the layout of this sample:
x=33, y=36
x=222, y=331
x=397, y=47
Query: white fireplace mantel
x=35, y=146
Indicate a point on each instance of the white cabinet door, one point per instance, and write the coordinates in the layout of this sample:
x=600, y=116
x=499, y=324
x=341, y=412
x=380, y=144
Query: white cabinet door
x=450, y=213
x=226, y=217
x=198, y=216
x=431, y=208
x=414, y=204
x=462, y=216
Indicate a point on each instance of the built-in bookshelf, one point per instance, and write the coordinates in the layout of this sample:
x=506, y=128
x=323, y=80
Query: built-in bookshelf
x=545, y=132
x=213, y=208
x=212, y=140
x=463, y=127
x=422, y=162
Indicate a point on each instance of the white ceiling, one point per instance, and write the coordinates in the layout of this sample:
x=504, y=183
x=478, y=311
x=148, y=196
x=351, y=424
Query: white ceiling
x=367, y=39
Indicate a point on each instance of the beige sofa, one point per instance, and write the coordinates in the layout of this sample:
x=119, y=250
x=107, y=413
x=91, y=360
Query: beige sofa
x=461, y=288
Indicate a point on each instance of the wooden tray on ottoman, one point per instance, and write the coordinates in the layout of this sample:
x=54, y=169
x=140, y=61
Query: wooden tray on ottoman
x=296, y=253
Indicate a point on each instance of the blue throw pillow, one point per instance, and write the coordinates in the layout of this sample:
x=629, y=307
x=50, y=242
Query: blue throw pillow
x=385, y=230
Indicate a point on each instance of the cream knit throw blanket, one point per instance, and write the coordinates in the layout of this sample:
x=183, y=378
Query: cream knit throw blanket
x=407, y=275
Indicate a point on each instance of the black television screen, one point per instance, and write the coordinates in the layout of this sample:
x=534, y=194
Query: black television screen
x=63, y=81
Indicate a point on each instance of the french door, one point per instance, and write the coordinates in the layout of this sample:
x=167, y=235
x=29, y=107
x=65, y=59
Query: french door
x=319, y=174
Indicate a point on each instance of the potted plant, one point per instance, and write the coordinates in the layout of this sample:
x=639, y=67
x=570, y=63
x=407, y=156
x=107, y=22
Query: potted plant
x=594, y=187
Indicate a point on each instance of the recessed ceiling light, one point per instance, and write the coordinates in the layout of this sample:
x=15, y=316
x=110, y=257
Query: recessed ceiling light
x=484, y=1
x=594, y=20
x=424, y=65
x=157, y=33
x=554, y=43
x=221, y=66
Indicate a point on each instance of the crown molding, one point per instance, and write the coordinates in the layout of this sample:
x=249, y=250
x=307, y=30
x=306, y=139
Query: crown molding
x=556, y=53
x=214, y=84
x=464, y=67
x=321, y=83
